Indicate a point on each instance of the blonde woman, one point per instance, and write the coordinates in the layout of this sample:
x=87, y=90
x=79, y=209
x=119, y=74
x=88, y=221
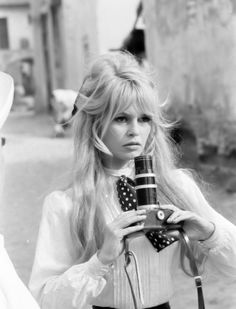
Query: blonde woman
x=79, y=257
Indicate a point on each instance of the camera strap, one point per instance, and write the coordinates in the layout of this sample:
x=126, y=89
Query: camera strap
x=195, y=273
x=193, y=266
x=128, y=255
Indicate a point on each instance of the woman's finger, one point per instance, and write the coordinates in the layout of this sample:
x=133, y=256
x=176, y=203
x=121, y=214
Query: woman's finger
x=127, y=218
x=132, y=229
x=181, y=215
x=175, y=215
x=131, y=220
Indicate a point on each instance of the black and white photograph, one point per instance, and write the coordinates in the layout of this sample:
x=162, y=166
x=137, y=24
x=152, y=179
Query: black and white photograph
x=117, y=154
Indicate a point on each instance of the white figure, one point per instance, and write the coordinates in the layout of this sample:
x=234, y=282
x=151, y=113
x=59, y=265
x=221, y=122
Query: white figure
x=13, y=293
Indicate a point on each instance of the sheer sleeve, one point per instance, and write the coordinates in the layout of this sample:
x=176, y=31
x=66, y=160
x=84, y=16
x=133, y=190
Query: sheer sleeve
x=220, y=248
x=56, y=280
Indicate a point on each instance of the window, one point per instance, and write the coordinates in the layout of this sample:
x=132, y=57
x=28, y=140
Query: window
x=4, y=41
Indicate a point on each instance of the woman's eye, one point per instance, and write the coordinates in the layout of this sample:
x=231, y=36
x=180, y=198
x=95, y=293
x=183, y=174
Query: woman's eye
x=145, y=119
x=121, y=119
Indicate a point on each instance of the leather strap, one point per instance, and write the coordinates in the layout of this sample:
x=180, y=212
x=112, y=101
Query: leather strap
x=194, y=269
x=189, y=254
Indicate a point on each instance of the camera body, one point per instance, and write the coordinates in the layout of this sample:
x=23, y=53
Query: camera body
x=157, y=220
x=146, y=191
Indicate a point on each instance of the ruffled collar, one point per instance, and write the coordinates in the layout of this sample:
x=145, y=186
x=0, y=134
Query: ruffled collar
x=127, y=171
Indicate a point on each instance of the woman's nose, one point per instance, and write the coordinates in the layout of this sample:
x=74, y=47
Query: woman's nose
x=133, y=129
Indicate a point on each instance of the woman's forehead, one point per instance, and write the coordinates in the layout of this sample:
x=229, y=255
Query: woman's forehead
x=134, y=110
x=135, y=107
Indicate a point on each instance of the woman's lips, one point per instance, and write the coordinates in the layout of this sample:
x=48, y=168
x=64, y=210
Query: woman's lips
x=132, y=146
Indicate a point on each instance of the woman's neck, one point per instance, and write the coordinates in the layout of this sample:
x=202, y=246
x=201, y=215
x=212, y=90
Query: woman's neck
x=126, y=170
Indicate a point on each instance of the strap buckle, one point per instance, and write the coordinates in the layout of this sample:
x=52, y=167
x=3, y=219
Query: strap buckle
x=127, y=252
x=198, y=281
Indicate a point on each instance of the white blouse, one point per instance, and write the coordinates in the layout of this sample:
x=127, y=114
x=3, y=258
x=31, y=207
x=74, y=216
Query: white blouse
x=58, y=282
x=13, y=293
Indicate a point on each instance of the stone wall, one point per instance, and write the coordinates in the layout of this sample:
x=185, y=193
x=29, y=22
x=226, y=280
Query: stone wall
x=192, y=45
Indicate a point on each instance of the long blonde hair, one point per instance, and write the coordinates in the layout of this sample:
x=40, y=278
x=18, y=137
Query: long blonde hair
x=114, y=81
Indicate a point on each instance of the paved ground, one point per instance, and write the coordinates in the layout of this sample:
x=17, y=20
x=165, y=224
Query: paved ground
x=37, y=163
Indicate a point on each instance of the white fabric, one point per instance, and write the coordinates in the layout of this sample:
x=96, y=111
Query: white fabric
x=65, y=96
x=6, y=96
x=13, y=293
x=59, y=282
x=63, y=102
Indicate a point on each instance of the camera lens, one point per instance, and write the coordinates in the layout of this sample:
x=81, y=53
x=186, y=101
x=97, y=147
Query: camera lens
x=143, y=165
x=145, y=182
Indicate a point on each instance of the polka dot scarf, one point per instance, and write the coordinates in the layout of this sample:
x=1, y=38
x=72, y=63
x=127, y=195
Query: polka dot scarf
x=128, y=201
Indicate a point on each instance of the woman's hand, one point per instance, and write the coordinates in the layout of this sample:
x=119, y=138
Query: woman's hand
x=113, y=244
x=196, y=227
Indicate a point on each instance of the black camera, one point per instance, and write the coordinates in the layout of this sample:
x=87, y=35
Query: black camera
x=146, y=191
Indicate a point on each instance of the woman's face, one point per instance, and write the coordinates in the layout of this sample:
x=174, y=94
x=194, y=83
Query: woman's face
x=126, y=137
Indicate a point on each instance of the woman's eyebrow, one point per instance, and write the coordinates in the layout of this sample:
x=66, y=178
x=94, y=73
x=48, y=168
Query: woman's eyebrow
x=141, y=114
x=123, y=114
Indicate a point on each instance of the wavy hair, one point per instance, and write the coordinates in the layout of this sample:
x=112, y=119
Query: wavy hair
x=113, y=83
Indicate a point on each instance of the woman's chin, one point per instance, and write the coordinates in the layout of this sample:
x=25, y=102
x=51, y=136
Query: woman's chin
x=133, y=154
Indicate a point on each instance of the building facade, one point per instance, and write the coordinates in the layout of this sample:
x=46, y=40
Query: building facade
x=16, y=38
x=192, y=45
x=65, y=40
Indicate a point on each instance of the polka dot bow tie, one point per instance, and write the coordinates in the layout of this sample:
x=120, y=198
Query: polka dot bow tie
x=128, y=201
